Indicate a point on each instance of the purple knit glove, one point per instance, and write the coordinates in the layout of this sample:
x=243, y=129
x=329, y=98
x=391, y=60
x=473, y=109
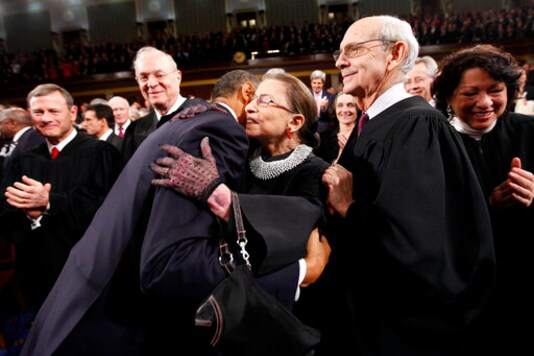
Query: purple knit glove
x=191, y=176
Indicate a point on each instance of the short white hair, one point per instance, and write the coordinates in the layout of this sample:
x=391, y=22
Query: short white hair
x=318, y=74
x=394, y=29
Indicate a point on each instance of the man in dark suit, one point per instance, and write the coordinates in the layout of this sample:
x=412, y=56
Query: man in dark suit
x=159, y=81
x=16, y=127
x=99, y=123
x=324, y=100
x=51, y=192
x=121, y=115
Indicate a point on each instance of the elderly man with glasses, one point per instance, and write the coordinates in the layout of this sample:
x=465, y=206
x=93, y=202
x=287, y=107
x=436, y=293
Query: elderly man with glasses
x=159, y=80
x=409, y=215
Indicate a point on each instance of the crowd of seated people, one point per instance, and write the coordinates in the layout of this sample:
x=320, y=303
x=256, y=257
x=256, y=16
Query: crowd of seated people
x=196, y=50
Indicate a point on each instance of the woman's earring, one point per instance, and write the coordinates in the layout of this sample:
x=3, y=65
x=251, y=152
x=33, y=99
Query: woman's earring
x=450, y=113
x=289, y=133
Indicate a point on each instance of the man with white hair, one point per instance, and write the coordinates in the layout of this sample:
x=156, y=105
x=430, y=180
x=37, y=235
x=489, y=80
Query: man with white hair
x=121, y=115
x=324, y=100
x=411, y=228
x=159, y=81
x=419, y=79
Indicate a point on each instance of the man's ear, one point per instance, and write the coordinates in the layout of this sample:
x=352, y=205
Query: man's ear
x=398, y=53
x=247, y=92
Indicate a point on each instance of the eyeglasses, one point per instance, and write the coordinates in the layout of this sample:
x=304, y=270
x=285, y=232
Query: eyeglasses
x=264, y=101
x=353, y=49
x=143, y=78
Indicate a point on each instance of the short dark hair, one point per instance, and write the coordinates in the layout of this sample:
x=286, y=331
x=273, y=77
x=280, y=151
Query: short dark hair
x=500, y=65
x=49, y=88
x=230, y=82
x=103, y=111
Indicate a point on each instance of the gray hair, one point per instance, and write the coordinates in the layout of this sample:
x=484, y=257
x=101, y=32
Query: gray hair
x=430, y=63
x=152, y=50
x=317, y=74
x=21, y=116
x=394, y=29
x=49, y=88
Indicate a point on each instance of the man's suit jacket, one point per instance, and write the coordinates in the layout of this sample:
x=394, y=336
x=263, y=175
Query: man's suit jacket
x=27, y=140
x=327, y=117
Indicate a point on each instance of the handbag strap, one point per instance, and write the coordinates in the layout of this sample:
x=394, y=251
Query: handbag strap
x=226, y=258
x=240, y=228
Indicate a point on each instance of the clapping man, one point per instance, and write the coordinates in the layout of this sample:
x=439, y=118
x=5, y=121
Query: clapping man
x=52, y=191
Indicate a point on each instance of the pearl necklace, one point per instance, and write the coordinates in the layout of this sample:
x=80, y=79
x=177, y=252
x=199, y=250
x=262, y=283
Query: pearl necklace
x=269, y=170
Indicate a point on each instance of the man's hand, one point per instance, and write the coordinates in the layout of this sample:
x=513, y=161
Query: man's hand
x=318, y=253
x=188, y=175
x=220, y=202
x=30, y=195
x=339, y=183
x=191, y=111
x=518, y=189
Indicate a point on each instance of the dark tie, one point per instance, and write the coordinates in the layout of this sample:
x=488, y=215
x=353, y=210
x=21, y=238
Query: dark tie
x=364, y=119
x=55, y=152
x=121, y=131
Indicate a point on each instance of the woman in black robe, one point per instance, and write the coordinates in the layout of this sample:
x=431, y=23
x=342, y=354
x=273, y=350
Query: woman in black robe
x=476, y=89
x=283, y=178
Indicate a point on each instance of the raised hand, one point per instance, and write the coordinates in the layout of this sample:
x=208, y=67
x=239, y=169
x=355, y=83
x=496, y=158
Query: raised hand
x=194, y=177
x=517, y=189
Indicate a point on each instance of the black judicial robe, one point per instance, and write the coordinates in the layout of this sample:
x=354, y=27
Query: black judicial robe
x=329, y=147
x=139, y=129
x=149, y=238
x=505, y=326
x=417, y=239
x=284, y=209
x=81, y=177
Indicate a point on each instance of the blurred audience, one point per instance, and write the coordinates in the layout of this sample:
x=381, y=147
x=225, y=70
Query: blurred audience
x=198, y=49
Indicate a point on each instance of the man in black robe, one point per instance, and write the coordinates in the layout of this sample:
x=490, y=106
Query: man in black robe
x=49, y=201
x=159, y=81
x=410, y=218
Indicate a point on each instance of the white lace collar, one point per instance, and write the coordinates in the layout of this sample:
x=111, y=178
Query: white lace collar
x=269, y=170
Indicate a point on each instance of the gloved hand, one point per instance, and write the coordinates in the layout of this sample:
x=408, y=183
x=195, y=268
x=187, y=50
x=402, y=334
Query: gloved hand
x=194, y=177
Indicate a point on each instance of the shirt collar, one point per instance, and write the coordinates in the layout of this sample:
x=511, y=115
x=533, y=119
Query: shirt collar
x=60, y=146
x=173, y=108
x=20, y=132
x=228, y=108
x=388, y=98
x=106, y=134
x=464, y=128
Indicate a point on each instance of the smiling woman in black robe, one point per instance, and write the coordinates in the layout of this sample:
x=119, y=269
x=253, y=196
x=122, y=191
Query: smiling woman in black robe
x=476, y=88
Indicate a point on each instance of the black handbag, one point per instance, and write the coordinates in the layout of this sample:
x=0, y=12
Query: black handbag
x=241, y=318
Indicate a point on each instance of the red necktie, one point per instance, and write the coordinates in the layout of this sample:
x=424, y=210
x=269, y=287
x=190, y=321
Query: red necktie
x=364, y=119
x=54, y=153
x=121, y=131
